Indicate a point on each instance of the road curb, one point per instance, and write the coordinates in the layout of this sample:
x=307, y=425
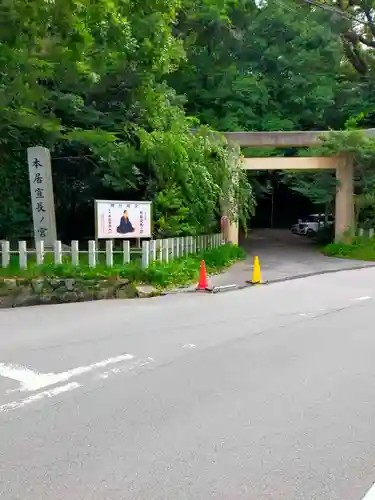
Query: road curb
x=230, y=288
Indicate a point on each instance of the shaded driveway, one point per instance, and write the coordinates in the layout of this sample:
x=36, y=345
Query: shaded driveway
x=282, y=256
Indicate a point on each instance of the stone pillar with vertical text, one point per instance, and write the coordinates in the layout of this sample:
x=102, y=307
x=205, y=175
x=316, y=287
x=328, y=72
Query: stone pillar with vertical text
x=42, y=198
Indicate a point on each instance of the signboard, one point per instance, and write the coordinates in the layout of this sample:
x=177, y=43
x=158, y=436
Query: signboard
x=122, y=219
x=41, y=190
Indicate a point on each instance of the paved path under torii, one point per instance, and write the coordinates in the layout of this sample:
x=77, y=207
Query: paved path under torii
x=282, y=256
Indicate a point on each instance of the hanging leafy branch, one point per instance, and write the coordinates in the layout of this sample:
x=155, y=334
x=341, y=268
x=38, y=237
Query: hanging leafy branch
x=88, y=80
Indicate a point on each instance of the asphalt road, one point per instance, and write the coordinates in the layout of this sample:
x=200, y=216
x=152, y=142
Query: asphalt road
x=265, y=393
x=282, y=255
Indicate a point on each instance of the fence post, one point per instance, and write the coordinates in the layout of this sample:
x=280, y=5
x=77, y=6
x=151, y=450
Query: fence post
x=181, y=246
x=371, y=232
x=109, y=253
x=360, y=232
x=194, y=244
x=155, y=250
x=177, y=248
x=171, y=248
x=5, y=253
x=198, y=244
x=152, y=250
x=159, y=249
x=39, y=248
x=165, y=249
x=57, y=253
x=126, y=252
x=145, y=254
x=22, y=254
x=92, y=253
x=75, y=252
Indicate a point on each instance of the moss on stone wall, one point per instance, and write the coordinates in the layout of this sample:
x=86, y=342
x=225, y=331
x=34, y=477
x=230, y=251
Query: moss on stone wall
x=27, y=292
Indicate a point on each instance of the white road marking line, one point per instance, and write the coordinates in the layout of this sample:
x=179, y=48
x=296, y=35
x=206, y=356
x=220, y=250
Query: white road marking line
x=370, y=495
x=15, y=405
x=365, y=297
x=33, y=381
x=188, y=346
x=20, y=374
x=137, y=364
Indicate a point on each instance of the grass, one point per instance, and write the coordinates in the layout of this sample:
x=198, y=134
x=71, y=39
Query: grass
x=358, y=248
x=135, y=254
x=160, y=274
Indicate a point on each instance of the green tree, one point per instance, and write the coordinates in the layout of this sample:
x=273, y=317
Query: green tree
x=248, y=68
x=277, y=67
x=354, y=21
x=88, y=80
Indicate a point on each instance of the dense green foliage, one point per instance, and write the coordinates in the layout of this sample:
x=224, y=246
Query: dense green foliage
x=88, y=80
x=285, y=66
x=126, y=95
x=273, y=68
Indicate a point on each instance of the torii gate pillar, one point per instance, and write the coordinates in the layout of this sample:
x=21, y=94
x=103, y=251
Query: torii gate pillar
x=344, y=210
x=233, y=228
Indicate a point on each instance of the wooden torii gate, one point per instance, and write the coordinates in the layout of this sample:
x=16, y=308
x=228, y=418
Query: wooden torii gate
x=343, y=165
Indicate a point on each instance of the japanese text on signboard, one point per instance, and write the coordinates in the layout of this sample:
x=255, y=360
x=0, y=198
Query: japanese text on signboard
x=41, y=191
x=38, y=181
x=116, y=219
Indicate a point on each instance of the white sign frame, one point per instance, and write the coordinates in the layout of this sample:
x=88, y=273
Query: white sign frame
x=131, y=206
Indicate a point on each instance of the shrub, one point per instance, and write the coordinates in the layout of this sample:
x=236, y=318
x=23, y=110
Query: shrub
x=358, y=248
x=161, y=274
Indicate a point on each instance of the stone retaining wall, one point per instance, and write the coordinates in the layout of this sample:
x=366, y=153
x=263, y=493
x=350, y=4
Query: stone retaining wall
x=29, y=292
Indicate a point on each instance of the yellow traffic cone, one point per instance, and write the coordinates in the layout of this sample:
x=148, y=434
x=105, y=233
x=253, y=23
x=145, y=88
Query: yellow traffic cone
x=257, y=276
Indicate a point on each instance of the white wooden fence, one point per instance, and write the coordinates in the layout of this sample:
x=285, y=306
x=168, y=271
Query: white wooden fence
x=366, y=233
x=162, y=250
x=173, y=248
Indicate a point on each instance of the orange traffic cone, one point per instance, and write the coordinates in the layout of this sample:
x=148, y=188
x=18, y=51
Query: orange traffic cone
x=203, y=281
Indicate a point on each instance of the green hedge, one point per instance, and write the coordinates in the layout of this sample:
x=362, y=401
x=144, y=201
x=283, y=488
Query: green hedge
x=161, y=274
x=358, y=248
